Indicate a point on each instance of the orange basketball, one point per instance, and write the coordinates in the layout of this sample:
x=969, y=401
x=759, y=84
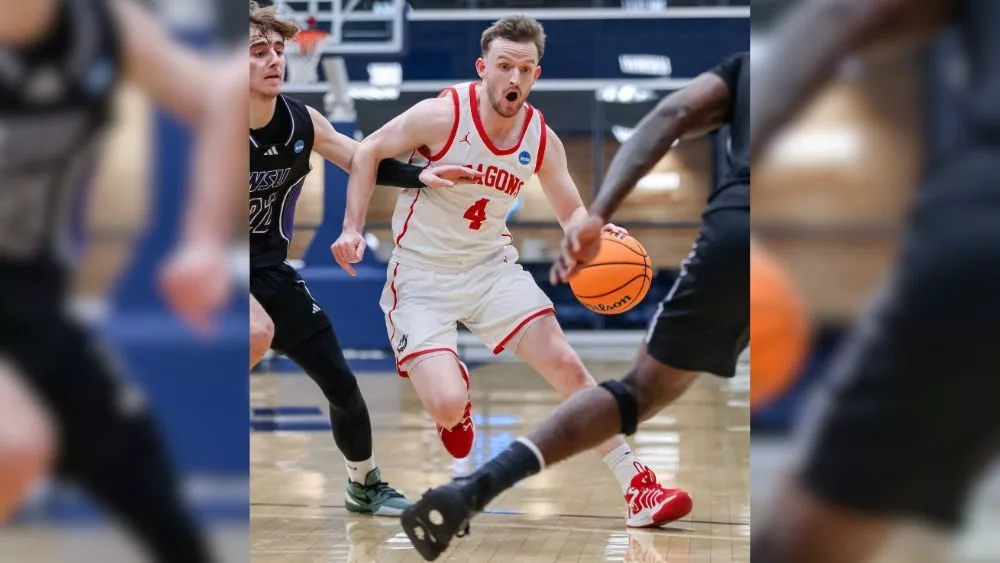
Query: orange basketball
x=779, y=329
x=617, y=279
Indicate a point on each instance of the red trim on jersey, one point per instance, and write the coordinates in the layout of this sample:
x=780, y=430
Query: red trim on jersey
x=454, y=128
x=520, y=325
x=395, y=301
x=406, y=223
x=541, y=144
x=408, y=357
x=482, y=132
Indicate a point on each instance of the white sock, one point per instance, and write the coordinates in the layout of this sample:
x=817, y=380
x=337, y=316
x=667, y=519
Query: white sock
x=621, y=461
x=358, y=470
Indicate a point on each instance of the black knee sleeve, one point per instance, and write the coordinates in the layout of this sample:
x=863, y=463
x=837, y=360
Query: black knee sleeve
x=321, y=357
x=627, y=407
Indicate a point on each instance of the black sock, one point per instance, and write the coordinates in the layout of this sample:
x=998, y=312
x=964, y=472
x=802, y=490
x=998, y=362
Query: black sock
x=514, y=464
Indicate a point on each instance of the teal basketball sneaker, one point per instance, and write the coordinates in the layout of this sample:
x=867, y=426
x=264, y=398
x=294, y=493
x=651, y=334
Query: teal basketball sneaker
x=375, y=497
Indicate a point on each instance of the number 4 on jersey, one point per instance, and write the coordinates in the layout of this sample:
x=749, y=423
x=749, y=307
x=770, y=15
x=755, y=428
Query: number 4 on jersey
x=477, y=214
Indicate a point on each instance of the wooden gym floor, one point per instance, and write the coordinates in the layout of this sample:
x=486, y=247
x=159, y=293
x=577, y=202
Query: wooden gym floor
x=94, y=542
x=571, y=512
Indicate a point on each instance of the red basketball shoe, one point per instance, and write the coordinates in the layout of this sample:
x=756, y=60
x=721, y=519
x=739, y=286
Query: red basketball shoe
x=650, y=504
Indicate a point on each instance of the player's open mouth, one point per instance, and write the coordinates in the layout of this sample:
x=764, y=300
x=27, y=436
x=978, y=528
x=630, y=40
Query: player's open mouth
x=272, y=77
x=511, y=96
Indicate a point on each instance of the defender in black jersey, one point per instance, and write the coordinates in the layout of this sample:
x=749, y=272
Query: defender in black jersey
x=702, y=325
x=284, y=316
x=60, y=61
x=907, y=420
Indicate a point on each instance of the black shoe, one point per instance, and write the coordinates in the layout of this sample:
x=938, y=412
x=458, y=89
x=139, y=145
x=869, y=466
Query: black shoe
x=440, y=515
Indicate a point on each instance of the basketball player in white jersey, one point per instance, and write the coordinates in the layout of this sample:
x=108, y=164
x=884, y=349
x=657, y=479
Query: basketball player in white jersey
x=454, y=260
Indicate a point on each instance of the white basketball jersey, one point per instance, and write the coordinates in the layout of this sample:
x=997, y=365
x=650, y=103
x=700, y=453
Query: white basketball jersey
x=448, y=229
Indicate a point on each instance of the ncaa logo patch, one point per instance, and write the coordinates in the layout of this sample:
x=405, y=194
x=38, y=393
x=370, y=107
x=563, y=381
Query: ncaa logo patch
x=524, y=158
x=99, y=77
x=299, y=146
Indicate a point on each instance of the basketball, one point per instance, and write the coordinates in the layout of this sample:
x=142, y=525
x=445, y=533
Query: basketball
x=617, y=279
x=779, y=329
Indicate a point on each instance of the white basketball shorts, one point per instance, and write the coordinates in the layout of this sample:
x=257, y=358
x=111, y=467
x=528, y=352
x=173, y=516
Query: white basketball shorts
x=422, y=308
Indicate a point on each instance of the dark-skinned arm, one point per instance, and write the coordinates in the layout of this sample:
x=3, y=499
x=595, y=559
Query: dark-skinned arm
x=701, y=106
x=813, y=39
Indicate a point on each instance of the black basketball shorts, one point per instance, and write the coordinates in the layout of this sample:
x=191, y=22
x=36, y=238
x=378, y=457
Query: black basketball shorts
x=286, y=299
x=910, y=413
x=703, y=324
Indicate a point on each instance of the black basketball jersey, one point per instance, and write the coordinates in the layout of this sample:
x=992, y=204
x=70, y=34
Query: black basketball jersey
x=55, y=99
x=279, y=163
x=735, y=71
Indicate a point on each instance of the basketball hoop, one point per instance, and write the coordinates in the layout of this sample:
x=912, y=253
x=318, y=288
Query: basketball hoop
x=303, y=60
x=308, y=39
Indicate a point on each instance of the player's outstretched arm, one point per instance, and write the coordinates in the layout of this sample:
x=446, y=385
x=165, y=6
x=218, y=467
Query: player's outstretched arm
x=700, y=106
x=330, y=143
x=212, y=101
x=809, y=43
x=425, y=123
x=339, y=149
x=210, y=98
x=558, y=185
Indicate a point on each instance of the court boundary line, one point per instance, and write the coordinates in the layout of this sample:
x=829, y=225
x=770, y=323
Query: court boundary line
x=666, y=531
x=501, y=513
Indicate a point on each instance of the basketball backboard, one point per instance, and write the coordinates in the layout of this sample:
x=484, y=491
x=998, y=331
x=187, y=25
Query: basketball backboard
x=355, y=26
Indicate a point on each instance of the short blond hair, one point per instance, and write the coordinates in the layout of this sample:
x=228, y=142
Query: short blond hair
x=266, y=19
x=519, y=29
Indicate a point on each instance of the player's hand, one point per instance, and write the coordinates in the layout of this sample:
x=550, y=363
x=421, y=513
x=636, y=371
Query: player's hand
x=615, y=229
x=579, y=246
x=349, y=249
x=448, y=175
x=196, y=281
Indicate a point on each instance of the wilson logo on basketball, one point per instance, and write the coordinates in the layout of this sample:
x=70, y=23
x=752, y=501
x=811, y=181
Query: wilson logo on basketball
x=602, y=308
x=499, y=179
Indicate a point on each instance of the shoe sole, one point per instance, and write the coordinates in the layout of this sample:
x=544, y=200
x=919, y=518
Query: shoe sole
x=383, y=510
x=433, y=521
x=659, y=518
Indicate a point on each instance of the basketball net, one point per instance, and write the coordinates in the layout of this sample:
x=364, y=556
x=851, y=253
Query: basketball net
x=303, y=59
